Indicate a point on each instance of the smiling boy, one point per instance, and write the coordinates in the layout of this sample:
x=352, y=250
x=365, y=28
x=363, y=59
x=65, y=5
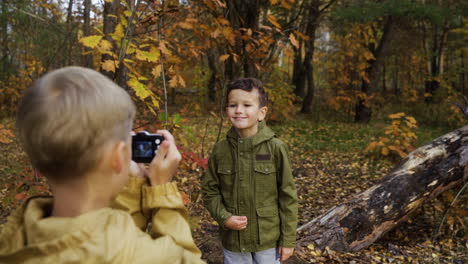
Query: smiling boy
x=248, y=187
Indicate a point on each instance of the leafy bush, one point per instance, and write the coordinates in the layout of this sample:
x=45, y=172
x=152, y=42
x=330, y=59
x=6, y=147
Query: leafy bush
x=399, y=137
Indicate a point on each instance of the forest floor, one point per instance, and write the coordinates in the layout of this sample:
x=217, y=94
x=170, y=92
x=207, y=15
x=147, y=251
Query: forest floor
x=329, y=166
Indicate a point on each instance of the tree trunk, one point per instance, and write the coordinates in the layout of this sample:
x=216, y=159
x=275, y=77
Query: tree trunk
x=4, y=40
x=363, y=107
x=425, y=173
x=213, y=76
x=298, y=79
x=88, y=58
x=435, y=62
x=308, y=62
x=110, y=21
x=245, y=15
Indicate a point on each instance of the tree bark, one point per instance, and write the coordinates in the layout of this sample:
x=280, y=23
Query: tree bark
x=4, y=40
x=88, y=58
x=425, y=173
x=363, y=108
x=110, y=21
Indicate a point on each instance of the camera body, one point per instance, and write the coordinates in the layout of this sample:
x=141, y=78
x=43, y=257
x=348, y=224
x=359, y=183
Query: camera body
x=145, y=146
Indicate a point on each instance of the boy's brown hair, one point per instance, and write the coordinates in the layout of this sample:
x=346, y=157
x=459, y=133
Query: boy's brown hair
x=249, y=84
x=66, y=116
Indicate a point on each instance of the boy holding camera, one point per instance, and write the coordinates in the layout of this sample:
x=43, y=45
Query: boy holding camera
x=75, y=126
x=248, y=187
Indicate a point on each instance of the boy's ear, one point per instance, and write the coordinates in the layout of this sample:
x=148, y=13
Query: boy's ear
x=118, y=155
x=262, y=113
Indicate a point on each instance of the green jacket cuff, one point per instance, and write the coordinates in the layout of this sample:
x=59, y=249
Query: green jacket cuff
x=287, y=243
x=222, y=218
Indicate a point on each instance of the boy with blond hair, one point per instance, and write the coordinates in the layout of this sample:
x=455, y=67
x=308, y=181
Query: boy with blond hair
x=248, y=187
x=75, y=126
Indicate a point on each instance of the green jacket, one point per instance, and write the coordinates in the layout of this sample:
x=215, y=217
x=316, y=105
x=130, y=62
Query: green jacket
x=106, y=235
x=252, y=177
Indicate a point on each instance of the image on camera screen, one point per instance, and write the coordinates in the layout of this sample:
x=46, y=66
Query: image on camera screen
x=143, y=149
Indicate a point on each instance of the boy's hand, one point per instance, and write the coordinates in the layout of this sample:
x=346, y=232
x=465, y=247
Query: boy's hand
x=137, y=170
x=285, y=253
x=236, y=222
x=164, y=165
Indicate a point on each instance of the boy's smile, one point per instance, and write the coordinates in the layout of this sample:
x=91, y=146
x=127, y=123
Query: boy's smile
x=244, y=111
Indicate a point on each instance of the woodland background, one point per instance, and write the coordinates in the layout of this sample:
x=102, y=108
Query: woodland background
x=354, y=86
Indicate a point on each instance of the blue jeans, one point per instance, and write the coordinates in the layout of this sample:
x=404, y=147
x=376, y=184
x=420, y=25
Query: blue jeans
x=269, y=256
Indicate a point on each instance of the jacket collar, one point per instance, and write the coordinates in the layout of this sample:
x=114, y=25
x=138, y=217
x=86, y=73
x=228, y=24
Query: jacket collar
x=264, y=133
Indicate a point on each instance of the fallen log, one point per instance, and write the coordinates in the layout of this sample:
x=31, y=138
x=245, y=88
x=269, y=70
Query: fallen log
x=424, y=173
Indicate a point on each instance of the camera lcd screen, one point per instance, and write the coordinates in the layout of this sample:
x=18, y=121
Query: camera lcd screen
x=143, y=149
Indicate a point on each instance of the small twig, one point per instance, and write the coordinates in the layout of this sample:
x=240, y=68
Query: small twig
x=221, y=111
x=123, y=50
x=448, y=209
x=163, y=73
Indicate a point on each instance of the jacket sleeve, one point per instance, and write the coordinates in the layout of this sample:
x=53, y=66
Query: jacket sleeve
x=171, y=239
x=211, y=193
x=288, y=203
x=130, y=199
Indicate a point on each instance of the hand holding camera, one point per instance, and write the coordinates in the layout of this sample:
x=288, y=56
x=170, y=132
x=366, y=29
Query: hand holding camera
x=162, y=153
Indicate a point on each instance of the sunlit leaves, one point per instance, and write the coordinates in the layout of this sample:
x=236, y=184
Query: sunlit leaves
x=140, y=89
x=399, y=137
x=224, y=57
x=6, y=135
x=293, y=40
x=91, y=41
x=109, y=65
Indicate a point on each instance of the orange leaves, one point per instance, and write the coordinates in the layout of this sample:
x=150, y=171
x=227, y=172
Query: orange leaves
x=6, y=135
x=109, y=65
x=224, y=57
x=399, y=137
x=293, y=40
x=274, y=21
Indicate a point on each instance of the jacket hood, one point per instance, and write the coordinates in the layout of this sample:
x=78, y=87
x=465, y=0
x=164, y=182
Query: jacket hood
x=264, y=133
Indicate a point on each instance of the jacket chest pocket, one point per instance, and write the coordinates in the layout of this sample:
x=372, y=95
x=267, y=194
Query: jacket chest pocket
x=265, y=180
x=227, y=176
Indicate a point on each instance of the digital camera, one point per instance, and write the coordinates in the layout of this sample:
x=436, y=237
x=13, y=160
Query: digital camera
x=145, y=146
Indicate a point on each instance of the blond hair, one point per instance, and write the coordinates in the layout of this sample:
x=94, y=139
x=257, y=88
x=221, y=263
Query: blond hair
x=66, y=116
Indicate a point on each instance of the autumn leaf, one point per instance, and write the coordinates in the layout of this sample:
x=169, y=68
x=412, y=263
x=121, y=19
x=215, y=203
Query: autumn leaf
x=173, y=82
x=185, y=197
x=110, y=65
x=156, y=71
x=273, y=20
x=185, y=25
x=224, y=57
x=140, y=89
x=118, y=33
x=181, y=81
x=163, y=48
x=105, y=45
x=293, y=40
x=91, y=41
x=397, y=115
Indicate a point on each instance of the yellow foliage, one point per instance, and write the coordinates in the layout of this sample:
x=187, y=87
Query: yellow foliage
x=91, y=41
x=110, y=65
x=398, y=137
x=140, y=89
x=224, y=57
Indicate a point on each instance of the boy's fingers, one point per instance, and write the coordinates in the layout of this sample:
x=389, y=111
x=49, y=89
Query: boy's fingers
x=162, y=151
x=167, y=135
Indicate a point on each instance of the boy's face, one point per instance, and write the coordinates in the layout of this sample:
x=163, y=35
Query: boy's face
x=244, y=111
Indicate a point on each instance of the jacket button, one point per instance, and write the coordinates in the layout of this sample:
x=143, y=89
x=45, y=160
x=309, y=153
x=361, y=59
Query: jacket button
x=242, y=153
x=241, y=141
x=266, y=169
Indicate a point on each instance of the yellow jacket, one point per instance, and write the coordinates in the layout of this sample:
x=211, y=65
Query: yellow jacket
x=106, y=235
